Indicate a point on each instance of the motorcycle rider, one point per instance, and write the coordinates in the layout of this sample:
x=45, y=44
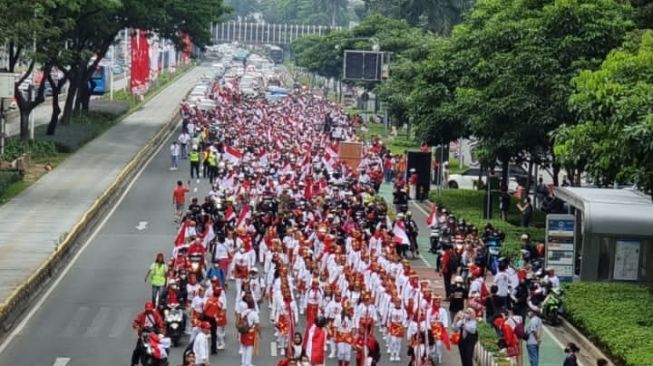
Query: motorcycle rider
x=147, y=319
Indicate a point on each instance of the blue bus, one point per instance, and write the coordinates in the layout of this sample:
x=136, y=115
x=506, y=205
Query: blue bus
x=101, y=80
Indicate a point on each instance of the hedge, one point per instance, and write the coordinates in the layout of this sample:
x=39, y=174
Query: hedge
x=7, y=178
x=37, y=149
x=618, y=317
x=468, y=205
x=82, y=129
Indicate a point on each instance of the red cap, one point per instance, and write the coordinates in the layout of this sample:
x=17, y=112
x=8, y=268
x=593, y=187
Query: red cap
x=206, y=325
x=149, y=306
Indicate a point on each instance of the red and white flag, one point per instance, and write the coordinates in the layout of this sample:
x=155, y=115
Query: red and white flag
x=209, y=234
x=232, y=154
x=245, y=214
x=399, y=232
x=159, y=346
x=432, y=218
x=229, y=214
x=181, y=234
x=263, y=158
x=314, y=343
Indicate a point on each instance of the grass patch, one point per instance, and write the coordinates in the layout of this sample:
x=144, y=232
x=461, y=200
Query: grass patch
x=396, y=144
x=81, y=129
x=615, y=316
x=468, y=205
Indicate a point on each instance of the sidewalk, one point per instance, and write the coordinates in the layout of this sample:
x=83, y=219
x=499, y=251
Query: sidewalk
x=35, y=221
x=551, y=353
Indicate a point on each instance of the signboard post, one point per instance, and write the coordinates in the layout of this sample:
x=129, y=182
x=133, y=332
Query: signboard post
x=626, y=260
x=560, y=245
x=7, y=82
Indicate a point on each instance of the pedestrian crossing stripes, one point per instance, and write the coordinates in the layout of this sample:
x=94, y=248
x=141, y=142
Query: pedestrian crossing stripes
x=99, y=322
x=61, y=361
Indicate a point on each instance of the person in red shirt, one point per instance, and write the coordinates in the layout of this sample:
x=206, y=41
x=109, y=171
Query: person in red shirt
x=179, y=199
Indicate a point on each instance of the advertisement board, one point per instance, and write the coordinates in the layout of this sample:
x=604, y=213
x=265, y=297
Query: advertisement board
x=560, y=245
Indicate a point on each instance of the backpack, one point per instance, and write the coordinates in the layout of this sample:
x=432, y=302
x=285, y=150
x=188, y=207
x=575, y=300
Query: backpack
x=520, y=332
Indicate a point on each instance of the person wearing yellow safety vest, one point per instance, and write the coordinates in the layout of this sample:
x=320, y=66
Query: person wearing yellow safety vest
x=157, y=276
x=194, y=163
x=213, y=165
x=205, y=162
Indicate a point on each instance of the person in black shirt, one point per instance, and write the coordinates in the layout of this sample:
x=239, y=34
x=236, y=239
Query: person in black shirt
x=457, y=296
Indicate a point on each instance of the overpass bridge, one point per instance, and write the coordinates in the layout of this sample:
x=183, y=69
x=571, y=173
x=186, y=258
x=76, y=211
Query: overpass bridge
x=265, y=33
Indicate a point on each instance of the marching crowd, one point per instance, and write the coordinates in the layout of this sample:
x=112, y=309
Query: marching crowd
x=294, y=229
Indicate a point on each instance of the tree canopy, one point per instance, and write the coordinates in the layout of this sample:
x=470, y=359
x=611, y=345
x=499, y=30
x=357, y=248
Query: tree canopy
x=613, y=140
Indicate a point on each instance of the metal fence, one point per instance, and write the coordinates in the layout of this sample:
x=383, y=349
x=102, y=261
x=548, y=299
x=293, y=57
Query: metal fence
x=265, y=33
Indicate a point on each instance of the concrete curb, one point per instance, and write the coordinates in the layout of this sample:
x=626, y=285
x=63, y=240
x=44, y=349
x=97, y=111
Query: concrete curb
x=23, y=295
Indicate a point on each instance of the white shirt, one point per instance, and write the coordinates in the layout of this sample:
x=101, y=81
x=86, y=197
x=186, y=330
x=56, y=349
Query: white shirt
x=174, y=150
x=502, y=281
x=201, y=348
x=183, y=138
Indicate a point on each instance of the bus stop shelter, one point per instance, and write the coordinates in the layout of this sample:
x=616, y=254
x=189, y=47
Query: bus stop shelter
x=614, y=233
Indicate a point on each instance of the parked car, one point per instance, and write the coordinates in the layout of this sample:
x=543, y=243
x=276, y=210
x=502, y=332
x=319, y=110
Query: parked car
x=469, y=178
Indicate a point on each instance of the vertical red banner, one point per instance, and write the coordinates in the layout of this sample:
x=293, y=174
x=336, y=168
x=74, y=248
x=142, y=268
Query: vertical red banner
x=187, y=48
x=140, y=56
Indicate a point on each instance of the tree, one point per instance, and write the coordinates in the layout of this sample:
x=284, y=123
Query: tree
x=34, y=33
x=614, y=140
x=521, y=57
x=437, y=16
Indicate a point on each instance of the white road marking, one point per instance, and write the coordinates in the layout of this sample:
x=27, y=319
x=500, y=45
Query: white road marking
x=427, y=215
x=557, y=341
x=19, y=328
x=61, y=361
x=76, y=321
x=273, y=349
x=142, y=225
x=98, y=322
x=121, y=322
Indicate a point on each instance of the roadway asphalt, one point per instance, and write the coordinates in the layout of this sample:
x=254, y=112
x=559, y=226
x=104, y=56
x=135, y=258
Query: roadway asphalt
x=86, y=318
x=39, y=217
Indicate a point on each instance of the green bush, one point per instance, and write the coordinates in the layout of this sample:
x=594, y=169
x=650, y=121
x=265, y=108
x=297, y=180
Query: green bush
x=615, y=316
x=82, y=129
x=468, y=205
x=7, y=178
x=38, y=149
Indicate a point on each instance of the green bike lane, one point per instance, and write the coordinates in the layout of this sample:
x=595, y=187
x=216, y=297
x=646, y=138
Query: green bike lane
x=551, y=350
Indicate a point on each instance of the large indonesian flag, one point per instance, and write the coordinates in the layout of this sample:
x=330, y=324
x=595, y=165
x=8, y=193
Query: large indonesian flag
x=314, y=344
x=181, y=234
x=232, y=154
x=399, y=232
x=158, y=346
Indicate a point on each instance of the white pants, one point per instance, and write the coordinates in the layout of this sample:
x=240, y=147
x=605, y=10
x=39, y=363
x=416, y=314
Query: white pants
x=344, y=351
x=220, y=334
x=394, y=345
x=246, y=356
x=412, y=192
x=439, y=350
x=331, y=344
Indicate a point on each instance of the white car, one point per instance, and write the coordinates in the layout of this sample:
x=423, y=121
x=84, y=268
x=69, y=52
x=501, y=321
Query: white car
x=470, y=177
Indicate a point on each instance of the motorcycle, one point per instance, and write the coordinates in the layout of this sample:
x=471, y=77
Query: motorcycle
x=150, y=356
x=174, y=321
x=552, y=306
